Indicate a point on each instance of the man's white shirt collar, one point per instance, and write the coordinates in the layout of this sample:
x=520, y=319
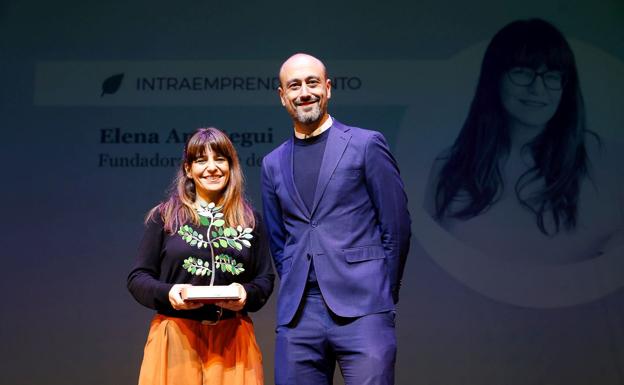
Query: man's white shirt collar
x=324, y=127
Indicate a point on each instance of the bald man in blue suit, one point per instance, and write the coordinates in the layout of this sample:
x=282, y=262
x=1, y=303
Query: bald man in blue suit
x=337, y=216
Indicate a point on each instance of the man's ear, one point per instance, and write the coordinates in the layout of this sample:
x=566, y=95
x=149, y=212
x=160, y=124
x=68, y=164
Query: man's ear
x=280, y=91
x=328, y=84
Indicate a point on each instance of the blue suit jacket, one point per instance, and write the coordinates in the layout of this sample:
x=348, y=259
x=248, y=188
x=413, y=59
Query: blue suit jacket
x=357, y=232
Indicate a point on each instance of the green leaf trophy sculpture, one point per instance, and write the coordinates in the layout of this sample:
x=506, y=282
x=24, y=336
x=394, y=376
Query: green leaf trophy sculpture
x=217, y=236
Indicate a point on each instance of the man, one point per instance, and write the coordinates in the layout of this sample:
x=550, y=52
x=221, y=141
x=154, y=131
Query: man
x=337, y=217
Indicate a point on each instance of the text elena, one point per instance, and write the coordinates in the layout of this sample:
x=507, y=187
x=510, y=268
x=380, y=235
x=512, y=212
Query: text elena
x=116, y=135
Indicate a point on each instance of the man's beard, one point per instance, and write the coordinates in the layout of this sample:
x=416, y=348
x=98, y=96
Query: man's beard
x=307, y=117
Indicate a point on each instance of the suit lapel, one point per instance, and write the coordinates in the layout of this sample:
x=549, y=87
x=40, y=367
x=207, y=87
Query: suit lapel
x=336, y=144
x=287, y=168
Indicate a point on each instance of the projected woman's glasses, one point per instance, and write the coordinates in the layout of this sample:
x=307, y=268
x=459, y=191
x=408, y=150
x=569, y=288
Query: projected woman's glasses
x=525, y=76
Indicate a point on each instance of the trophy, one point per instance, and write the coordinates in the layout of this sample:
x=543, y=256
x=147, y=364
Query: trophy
x=217, y=237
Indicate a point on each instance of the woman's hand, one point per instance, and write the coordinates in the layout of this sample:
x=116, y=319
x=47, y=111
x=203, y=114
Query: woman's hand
x=235, y=304
x=176, y=300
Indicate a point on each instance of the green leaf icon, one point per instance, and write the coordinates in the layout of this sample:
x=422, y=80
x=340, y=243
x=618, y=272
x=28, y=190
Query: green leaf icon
x=111, y=85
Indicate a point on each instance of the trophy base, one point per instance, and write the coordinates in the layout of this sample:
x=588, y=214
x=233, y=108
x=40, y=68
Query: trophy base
x=210, y=294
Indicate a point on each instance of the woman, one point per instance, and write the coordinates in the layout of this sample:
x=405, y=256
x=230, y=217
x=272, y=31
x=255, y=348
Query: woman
x=519, y=173
x=204, y=233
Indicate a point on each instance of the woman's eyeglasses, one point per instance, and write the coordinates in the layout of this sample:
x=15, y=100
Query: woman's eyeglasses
x=525, y=76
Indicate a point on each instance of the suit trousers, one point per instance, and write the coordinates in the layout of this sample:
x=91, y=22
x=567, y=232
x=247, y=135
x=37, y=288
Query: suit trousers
x=307, y=349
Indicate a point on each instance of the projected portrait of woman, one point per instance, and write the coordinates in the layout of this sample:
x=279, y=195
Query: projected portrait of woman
x=526, y=180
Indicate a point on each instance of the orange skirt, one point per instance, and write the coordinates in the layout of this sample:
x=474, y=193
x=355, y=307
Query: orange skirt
x=186, y=352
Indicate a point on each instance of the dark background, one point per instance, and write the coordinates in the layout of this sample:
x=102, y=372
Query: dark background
x=71, y=227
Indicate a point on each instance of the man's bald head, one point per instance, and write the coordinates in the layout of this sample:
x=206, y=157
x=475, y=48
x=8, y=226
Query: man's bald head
x=305, y=90
x=301, y=60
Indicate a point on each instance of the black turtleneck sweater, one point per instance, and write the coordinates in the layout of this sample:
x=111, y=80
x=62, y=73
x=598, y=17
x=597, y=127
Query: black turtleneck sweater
x=308, y=156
